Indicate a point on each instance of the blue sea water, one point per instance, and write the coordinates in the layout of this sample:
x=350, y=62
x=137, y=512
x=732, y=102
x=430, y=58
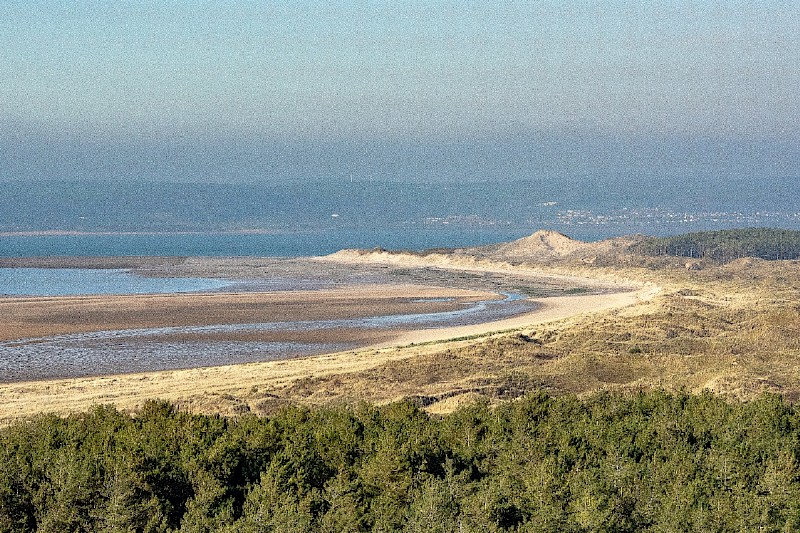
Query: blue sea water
x=580, y=225
x=288, y=244
x=77, y=281
x=306, y=219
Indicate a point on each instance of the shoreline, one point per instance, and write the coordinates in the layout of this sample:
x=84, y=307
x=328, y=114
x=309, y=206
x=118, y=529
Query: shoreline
x=88, y=336
x=198, y=385
x=36, y=317
x=77, y=233
x=365, y=287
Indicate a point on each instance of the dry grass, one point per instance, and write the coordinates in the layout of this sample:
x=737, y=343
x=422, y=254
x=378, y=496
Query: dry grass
x=733, y=329
x=734, y=333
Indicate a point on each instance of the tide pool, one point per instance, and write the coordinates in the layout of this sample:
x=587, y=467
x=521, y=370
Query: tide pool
x=80, y=281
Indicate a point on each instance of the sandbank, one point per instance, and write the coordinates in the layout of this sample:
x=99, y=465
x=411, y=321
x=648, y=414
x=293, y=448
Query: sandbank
x=360, y=288
x=22, y=318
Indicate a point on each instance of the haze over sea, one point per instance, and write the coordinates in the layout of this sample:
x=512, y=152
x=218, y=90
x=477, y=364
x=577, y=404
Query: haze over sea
x=300, y=128
x=56, y=218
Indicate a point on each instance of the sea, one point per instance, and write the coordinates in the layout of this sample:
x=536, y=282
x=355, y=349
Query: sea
x=81, y=281
x=233, y=244
x=309, y=219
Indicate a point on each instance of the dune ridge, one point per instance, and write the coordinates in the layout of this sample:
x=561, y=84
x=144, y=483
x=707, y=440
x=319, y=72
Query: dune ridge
x=238, y=388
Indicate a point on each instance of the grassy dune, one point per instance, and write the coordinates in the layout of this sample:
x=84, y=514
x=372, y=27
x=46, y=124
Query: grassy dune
x=733, y=329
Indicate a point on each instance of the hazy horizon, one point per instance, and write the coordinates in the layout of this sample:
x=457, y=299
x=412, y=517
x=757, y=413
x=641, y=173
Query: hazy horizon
x=511, y=156
x=408, y=91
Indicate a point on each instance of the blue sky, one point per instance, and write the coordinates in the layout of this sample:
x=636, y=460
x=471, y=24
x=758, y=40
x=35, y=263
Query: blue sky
x=121, y=78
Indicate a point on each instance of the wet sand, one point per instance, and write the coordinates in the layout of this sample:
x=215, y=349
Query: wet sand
x=280, y=291
x=202, y=388
x=70, y=337
x=22, y=318
x=276, y=309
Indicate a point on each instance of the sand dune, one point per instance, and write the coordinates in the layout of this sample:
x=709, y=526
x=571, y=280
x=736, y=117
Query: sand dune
x=552, y=309
x=542, y=243
x=203, y=387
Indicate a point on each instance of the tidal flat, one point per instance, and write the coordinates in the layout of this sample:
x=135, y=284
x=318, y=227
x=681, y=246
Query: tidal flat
x=252, y=310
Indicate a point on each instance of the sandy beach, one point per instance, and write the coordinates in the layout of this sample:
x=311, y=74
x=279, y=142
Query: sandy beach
x=196, y=387
x=353, y=287
x=550, y=310
x=22, y=318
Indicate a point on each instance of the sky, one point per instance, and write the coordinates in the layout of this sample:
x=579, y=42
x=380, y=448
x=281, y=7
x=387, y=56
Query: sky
x=428, y=90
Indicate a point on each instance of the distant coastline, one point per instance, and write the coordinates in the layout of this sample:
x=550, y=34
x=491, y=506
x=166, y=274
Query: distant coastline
x=289, y=241
x=343, y=215
x=75, y=233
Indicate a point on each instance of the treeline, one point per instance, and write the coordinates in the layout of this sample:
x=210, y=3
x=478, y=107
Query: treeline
x=651, y=461
x=726, y=245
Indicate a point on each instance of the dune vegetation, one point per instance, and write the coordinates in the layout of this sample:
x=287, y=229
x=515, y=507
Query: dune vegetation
x=733, y=329
x=675, y=412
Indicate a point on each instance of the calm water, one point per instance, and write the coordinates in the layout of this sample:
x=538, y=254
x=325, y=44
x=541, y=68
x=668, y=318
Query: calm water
x=75, y=282
x=316, y=219
x=310, y=243
x=582, y=226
